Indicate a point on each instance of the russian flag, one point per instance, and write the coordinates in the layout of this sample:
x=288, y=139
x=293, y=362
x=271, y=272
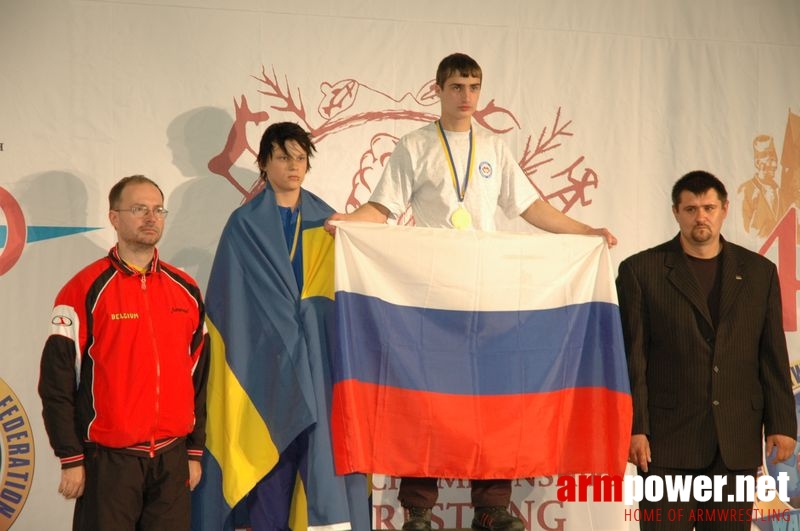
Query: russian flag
x=465, y=354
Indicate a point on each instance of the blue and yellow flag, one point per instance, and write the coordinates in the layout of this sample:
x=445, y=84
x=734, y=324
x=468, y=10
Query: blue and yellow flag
x=270, y=375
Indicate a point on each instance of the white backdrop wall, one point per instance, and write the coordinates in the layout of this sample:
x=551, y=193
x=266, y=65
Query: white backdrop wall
x=605, y=103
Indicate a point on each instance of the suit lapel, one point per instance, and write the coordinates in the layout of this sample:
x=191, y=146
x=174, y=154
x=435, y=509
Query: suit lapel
x=731, y=282
x=681, y=276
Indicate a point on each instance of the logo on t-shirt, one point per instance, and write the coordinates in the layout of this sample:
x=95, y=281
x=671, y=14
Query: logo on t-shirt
x=485, y=169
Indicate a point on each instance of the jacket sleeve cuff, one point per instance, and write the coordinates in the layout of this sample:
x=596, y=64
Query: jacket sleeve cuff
x=72, y=461
x=195, y=454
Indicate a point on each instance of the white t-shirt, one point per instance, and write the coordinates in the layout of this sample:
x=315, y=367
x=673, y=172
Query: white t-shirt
x=418, y=174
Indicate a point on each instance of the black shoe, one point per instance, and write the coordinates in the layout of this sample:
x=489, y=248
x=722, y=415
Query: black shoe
x=417, y=519
x=496, y=519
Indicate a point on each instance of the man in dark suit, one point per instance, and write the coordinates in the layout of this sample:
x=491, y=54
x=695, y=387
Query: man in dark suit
x=707, y=355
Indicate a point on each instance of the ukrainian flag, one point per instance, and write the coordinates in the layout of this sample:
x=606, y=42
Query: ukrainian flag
x=270, y=374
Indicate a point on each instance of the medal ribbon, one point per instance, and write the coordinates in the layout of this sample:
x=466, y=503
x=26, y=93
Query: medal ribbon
x=293, y=251
x=460, y=193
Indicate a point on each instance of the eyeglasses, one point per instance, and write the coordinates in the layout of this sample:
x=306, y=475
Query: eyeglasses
x=140, y=211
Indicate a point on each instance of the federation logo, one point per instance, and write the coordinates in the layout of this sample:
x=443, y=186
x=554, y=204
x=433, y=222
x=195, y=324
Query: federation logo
x=485, y=169
x=16, y=456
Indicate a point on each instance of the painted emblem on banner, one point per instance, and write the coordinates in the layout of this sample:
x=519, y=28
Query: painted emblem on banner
x=769, y=194
x=14, y=234
x=17, y=456
x=348, y=104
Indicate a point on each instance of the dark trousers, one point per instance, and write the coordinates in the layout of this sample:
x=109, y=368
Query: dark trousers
x=127, y=492
x=716, y=468
x=423, y=492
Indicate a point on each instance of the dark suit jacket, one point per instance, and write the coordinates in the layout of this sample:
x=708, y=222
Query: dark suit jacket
x=695, y=387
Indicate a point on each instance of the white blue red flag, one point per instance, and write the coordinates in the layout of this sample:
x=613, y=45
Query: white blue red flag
x=466, y=354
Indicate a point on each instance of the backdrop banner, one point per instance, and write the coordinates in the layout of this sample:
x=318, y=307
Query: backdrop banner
x=603, y=104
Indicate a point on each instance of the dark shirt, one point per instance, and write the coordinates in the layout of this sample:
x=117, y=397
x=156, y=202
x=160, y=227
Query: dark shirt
x=706, y=271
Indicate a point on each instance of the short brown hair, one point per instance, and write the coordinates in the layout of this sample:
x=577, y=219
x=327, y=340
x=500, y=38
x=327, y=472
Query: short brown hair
x=116, y=191
x=457, y=63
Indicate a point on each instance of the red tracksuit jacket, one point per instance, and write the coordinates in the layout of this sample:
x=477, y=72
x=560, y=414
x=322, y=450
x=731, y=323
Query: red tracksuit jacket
x=125, y=365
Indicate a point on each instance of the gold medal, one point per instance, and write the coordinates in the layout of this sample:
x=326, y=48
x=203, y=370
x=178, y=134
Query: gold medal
x=461, y=218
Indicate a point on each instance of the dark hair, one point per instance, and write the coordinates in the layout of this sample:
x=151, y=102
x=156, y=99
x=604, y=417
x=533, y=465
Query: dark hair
x=457, y=63
x=116, y=191
x=279, y=134
x=698, y=182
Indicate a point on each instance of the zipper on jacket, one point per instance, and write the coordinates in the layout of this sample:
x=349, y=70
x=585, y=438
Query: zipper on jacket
x=157, y=360
x=143, y=278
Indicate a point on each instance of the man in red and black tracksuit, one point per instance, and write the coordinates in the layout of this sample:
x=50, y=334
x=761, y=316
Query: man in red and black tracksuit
x=123, y=377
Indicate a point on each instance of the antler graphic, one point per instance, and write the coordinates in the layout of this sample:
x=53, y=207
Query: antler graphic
x=576, y=189
x=338, y=112
x=285, y=95
x=236, y=144
x=543, y=145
